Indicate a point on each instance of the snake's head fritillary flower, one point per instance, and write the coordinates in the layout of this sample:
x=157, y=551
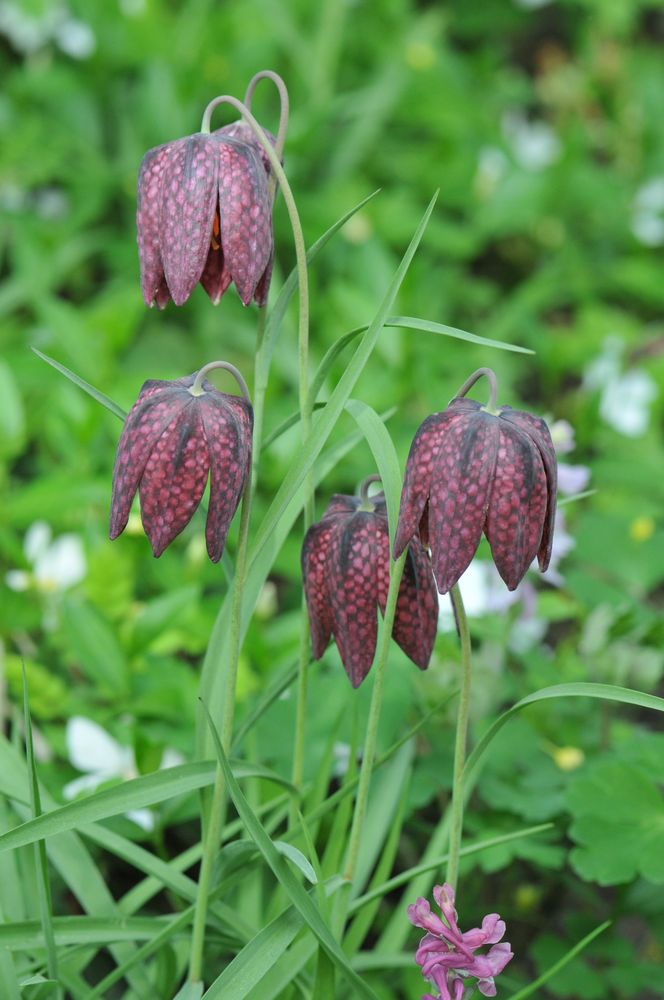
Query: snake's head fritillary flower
x=176, y=435
x=474, y=469
x=448, y=956
x=204, y=213
x=346, y=569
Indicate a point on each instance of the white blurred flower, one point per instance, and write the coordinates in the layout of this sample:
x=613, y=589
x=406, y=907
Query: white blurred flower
x=28, y=33
x=532, y=4
x=95, y=752
x=572, y=478
x=491, y=167
x=626, y=398
x=534, y=145
x=75, y=38
x=483, y=592
x=56, y=565
x=562, y=435
x=648, y=213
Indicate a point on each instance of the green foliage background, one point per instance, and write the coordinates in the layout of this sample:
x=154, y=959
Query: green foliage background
x=405, y=97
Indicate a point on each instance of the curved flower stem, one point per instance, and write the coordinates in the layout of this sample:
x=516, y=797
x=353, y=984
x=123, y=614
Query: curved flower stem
x=303, y=366
x=260, y=387
x=216, y=814
x=268, y=74
x=461, y=737
x=475, y=377
x=364, y=491
x=197, y=388
x=369, y=751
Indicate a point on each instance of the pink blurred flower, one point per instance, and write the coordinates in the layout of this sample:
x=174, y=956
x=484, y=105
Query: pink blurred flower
x=448, y=956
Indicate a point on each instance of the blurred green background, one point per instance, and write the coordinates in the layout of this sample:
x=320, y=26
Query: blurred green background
x=541, y=123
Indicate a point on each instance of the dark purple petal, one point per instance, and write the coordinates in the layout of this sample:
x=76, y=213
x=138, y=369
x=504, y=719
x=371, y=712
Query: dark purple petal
x=263, y=286
x=517, y=505
x=315, y=553
x=244, y=133
x=245, y=216
x=187, y=211
x=174, y=478
x=538, y=430
x=227, y=422
x=460, y=491
x=417, y=479
x=156, y=407
x=215, y=278
x=416, y=617
x=352, y=587
x=148, y=233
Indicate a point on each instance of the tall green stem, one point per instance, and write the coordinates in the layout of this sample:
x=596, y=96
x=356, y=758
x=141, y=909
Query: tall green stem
x=260, y=388
x=456, y=824
x=216, y=813
x=369, y=751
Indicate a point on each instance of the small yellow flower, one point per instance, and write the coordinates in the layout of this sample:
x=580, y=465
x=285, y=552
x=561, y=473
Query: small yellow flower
x=642, y=528
x=568, y=758
x=420, y=55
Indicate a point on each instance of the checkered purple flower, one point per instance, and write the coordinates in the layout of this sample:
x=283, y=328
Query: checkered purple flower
x=473, y=469
x=172, y=440
x=346, y=572
x=204, y=213
x=448, y=957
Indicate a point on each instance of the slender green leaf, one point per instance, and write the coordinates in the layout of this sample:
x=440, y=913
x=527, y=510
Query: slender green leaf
x=278, y=310
x=398, y=880
x=267, y=698
x=298, y=859
x=43, y=878
x=604, y=692
x=135, y=794
x=85, y=386
x=561, y=963
x=384, y=453
x=330, y=413
x=301, y=900
x=286, y=426
x=190, y=991
x=404, y=323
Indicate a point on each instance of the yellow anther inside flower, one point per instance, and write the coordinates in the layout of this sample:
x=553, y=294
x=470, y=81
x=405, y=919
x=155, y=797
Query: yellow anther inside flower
x=642, y=529
x=215, y=242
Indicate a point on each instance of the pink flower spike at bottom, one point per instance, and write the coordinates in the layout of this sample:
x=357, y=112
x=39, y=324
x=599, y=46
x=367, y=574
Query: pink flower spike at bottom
x=447, y=956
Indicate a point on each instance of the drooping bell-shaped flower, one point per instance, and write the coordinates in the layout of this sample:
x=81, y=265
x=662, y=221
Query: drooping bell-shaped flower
x=345, y=567
x=204, y=213
x=176, y=435
x=474, y=469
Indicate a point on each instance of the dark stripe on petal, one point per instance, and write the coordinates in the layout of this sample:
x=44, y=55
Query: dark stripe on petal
x=353, y=593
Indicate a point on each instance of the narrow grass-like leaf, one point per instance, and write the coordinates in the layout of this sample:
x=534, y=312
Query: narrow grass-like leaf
x=384, y=453
x=398, y=880
x=298, y=859
x=286, y=426
x=190, y=991
x=528, y=990
x=301, y=900
x=43, y=878
x=394, y=934
x=428, y=326
x=134, y=794
x=278, y=310
x=403, y=323
x=330, y=413
x=604, y=692
x=85, y=386
x=28, y=934
x=263, y=703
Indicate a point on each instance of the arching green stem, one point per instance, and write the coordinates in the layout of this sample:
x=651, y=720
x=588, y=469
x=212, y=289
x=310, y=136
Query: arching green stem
x=493, y=382
x=456, y=824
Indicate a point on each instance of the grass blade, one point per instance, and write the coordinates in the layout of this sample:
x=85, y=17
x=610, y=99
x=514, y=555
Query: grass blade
x=134, y=794
x=561, y=963
x=299, y=897
x=384, y=452
x=82, y=384
x=43, y=879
